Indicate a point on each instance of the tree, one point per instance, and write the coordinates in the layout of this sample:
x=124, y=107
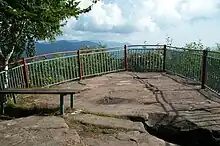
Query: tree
x=95, y=60
x=22, y=22
x=186, y=61
x=98, y=60
x=169, y=41
x=145, y=60
x=218, y=47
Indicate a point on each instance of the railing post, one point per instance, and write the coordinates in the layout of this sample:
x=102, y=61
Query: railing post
x=204, y=60
x=164, y=57
x=79, y=64
x=25, y=72
x=125, y=58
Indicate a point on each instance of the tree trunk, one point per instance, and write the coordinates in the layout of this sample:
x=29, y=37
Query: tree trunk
x=6, y=81
x=6, y=78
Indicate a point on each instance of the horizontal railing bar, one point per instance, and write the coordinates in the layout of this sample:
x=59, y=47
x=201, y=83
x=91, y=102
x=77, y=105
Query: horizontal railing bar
x=39, y=91
x=12, y=68
x=214, y=52
x=188, y=53
x=91, y=53
x=49, y=71
x=145, y=45
x=212, y=90
x=150, y=49
x=180, y=48
x=18, y=61
x=47, y=60
x=49, y=54
x=210, y=57
x=99, y=50
x=101, y=73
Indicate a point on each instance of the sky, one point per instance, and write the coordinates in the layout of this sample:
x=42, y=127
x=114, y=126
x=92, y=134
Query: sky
x=137, y=21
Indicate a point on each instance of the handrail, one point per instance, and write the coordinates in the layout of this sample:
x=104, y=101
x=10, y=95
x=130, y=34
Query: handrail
x=87, y=63
x=145, y=45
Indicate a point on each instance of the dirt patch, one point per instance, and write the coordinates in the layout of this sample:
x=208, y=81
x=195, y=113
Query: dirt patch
x=107, y=100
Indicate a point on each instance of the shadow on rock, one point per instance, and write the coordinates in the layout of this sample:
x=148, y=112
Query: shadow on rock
x=18, y=111
x=181, y=131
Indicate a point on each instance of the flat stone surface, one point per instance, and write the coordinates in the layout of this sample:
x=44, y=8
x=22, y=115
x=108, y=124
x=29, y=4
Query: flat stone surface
x=38, y=131
x=132, y=138
x=138, y=94
x=108, y=122
x=143, y=139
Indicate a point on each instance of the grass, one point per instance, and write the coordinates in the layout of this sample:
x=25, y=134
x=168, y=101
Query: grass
x=91, y=130
x=105, y=115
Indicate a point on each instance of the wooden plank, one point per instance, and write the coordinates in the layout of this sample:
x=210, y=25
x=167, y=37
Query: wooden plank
x=39, y=91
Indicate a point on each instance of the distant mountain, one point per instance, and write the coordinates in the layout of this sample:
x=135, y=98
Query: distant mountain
x=110, y=44
x=69, y=45
x=60, y=46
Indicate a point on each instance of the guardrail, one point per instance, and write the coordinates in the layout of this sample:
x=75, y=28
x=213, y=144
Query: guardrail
x=49, y=69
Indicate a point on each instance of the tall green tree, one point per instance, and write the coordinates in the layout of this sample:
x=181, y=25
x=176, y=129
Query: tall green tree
x=22, y=22
x=218, y=47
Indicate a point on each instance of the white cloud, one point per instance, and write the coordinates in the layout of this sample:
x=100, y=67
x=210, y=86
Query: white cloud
x=103, y=17
x=199, y=8
x=151, y=20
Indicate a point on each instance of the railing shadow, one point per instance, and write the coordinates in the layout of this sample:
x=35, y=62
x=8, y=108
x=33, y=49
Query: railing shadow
x=204, y=92
x=175, y=128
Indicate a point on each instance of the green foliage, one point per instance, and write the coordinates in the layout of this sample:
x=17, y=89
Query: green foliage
x=94, y=61
x=145, y=60
x=184, y=62
x=22, y=22
x=188, y=62
x=195, y=46
x=218, y=47
x=57, y=69
x=169, y=41
x=98, y=61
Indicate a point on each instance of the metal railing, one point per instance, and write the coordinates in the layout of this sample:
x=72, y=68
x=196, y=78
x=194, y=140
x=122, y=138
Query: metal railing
x=145, y=58
x=49, y=69
x=184, y=62
x=213, y=70
x=15, y=78
x=101, y=62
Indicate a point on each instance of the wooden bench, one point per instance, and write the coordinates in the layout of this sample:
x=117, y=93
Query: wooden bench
x=61, y=92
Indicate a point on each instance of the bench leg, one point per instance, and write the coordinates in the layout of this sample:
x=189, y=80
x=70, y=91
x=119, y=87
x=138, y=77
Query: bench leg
x=2, y=108
x=71, y=100
x=61, y=104
x=14, y=98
